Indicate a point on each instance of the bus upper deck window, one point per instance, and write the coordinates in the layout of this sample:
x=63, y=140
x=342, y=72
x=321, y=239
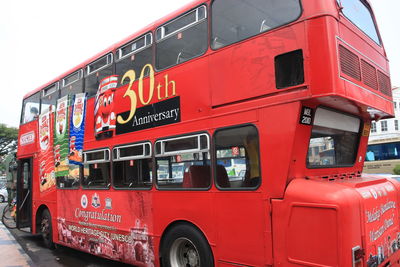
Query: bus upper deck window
x=30, y=108
x=72, y=84
x=360, y=15
x=236, y=20
x=49, y=98
x=134, y=56
x=96, y=71
x=334, y=140
x=182, y=39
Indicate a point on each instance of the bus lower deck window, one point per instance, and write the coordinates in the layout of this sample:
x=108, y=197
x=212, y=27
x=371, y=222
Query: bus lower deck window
x=133, y=173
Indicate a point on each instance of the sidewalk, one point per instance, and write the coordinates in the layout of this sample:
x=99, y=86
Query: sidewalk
x=11, y=253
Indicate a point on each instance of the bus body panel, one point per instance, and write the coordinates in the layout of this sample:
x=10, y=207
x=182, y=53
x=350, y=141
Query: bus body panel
x=246, y=70
x=27, y=139
x=311, y=207
x=298, y=216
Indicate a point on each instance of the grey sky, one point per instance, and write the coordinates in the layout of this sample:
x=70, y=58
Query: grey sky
x=41, y=39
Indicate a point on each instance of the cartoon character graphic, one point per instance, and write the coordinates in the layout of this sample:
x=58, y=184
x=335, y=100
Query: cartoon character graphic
x=57, y=155
x=43, y=179
x=44, y=142
x=105, y=118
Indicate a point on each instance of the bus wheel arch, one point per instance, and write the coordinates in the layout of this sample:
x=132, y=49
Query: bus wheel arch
x=183, y=241
x=44, y=226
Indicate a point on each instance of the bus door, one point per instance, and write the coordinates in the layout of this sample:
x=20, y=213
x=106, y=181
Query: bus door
x=241, y=216
x=24, y=193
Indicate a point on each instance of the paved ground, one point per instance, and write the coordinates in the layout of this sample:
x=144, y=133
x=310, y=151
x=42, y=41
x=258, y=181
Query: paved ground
x=11, y=253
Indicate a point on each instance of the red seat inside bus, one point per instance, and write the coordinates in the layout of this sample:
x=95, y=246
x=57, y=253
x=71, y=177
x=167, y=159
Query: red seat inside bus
x=197, y=177
x=222, y=177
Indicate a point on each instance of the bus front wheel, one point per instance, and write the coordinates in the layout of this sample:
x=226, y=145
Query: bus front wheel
x=46, y=229
x=186, y=246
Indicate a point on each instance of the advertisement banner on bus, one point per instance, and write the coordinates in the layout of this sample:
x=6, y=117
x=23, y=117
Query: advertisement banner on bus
x=104, y=107
x=154, y=115
x=93, y=223
x=61, y=146
x=77, y=129
x=46, y=156
x=381, y=218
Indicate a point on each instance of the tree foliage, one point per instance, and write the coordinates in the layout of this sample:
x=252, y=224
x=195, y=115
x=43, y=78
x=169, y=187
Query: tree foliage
x=396, y=170
x=8, y=139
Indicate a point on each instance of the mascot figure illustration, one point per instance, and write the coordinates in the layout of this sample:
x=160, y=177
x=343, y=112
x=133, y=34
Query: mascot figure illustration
x=104, y=115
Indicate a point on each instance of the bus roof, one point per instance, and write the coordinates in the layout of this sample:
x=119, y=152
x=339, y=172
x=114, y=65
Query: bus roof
x=149, y=28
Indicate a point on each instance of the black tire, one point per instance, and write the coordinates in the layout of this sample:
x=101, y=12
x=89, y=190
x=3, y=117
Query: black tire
x=7, y=219
x=185, y=246
x=46, y=229
x=7, y=212
x=2, y=199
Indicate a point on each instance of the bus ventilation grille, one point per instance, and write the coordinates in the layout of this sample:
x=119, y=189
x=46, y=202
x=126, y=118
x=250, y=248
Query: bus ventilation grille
x=384, y=84
x=349, y=62
x=335, y=177
x=369, y=74
x=363, y=72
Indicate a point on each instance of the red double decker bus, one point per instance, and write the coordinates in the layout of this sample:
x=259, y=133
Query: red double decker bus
x=229, y=133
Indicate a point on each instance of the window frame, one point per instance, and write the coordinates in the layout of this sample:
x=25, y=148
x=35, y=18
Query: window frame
x=118, y=52
x=44, y=90
x=85, y=161
x=368, y=7
x=384, y=126
x=252, y=36
x=22, y=121
x=87, y=73
x=109, y=58
x=195, y=150
x=143, y=156
x=138, y=157
x=177, y=152
x=373, y=127
x=80, y=76
x=165, y=37
x=215, y=159
x=357, y=144
x=44, y=94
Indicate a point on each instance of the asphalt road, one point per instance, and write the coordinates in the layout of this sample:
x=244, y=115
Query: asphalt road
x=59, y=257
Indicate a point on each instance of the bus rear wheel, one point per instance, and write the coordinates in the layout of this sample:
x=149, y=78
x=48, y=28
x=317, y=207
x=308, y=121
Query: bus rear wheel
x=46, y=229
x=185, y=246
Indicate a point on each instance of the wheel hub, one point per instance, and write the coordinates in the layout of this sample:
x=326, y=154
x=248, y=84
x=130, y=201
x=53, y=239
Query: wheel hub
x=184, y=254
x=44, y=226
x=192, y=258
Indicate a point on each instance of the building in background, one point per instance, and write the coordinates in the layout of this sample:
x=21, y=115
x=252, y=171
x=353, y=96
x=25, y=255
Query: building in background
x=383, y=153
x=389, y=128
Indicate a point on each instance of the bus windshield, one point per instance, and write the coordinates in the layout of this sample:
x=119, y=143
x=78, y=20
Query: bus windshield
x=359, y=14
x=334, y=140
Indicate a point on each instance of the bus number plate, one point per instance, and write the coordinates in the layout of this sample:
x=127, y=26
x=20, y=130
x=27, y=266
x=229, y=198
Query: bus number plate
x=306, y=116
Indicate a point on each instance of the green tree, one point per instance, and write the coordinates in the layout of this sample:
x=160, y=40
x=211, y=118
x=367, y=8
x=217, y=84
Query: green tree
x=396, y=170
x=8, y=139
